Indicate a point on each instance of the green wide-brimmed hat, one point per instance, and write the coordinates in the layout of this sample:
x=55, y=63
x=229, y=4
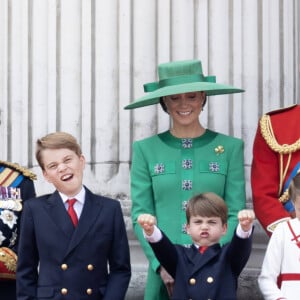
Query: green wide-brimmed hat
x=181, y=77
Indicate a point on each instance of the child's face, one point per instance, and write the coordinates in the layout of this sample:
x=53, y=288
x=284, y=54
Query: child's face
x=206, y=231
x=64, y=169
x=297, y=206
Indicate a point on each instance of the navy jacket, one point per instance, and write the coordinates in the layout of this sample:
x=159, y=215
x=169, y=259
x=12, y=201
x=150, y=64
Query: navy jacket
x=59, y=262
x=212, y=275
x=23, y=179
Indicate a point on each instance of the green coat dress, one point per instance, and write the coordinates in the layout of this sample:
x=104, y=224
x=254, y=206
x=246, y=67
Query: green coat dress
x=167, y=171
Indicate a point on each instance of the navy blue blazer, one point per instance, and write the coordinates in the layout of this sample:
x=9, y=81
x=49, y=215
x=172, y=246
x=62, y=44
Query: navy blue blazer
x=59, y=262
x=212, y=275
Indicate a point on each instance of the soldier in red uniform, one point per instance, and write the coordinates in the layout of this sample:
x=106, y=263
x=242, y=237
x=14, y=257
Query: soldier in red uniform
x=276, y=160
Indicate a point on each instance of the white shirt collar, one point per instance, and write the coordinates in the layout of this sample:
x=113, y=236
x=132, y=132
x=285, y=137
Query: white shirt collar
x=80, y=197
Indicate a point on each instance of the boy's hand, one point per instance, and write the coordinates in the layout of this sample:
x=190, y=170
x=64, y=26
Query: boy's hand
x=246, y=218
x=147, y=222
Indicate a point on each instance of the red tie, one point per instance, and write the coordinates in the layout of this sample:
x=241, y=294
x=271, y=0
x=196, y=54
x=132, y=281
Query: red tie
x=202, y=249
x=72, y=212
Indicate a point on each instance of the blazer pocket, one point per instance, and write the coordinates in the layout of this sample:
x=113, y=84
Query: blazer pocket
x=103, y=236
x=45, y=292
x=216, y=167
x=162, y=168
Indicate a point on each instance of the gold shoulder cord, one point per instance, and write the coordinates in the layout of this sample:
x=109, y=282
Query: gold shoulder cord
x=9, y=259
x=268, y=135
x=17, y=167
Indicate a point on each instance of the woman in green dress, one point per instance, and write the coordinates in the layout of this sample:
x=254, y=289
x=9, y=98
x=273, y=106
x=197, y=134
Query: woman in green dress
x=171, y=167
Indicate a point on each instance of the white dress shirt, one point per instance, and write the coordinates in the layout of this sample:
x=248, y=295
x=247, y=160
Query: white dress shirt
x=78, y=206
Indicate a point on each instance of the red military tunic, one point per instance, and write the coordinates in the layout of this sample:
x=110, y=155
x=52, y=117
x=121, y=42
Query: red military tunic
x=276, y=152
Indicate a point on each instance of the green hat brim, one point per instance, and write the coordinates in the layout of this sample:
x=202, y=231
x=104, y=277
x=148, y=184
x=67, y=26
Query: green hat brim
x=210, y=88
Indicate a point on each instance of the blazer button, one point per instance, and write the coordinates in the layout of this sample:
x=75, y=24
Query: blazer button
x=89, y=291
x=64, y=291
x=90, y=267
x=210, y=279
x=64, y=267
x=192, y=281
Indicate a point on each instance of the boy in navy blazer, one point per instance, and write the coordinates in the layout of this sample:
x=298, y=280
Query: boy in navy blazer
x=205, y=270
x=62, y=260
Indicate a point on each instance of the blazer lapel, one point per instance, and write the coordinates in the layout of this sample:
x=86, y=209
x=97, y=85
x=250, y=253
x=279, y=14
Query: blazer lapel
x=200, y=260
x=90, y=212
x=59, y=214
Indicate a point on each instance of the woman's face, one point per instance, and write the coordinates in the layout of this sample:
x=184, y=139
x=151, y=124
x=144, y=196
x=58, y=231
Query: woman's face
x=185, y=109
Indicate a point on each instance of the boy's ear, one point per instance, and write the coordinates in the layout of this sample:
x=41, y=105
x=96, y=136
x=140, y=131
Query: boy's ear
x=46, y=176
x=82, y=159
x=225, y=227
x=187, y=228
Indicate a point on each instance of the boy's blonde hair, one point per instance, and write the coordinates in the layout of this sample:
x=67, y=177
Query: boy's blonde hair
x=56, y=140
x=207, y=205
x=294, y=188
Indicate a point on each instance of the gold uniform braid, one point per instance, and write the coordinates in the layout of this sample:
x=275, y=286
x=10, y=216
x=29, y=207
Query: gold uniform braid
x=20, y=169
x=268, y=135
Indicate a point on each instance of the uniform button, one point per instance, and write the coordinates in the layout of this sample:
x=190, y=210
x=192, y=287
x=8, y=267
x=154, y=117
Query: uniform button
x=89, y=291
x=64, y=291
x=90, y=267
x=64, y=267
x=192, y=281
x=210, y=279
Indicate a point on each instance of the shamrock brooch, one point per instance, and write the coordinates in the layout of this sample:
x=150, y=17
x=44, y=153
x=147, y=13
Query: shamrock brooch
x=219, y=149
